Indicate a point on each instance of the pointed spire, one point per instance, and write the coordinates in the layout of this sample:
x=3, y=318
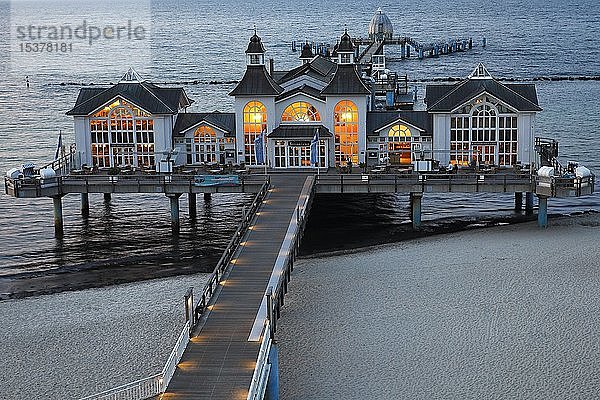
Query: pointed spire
x=480, y=72
x=131, y=77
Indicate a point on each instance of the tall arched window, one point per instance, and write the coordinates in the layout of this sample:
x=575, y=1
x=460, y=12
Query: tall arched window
x=345, y=117
x=300, y=111
x=255, y=122
x=484, y=131
x=122, y=134
x=206, y=146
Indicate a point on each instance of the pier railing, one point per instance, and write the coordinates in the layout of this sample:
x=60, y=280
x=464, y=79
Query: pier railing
x=135, y=183
x=156, y=384
x=226, y=258
x=152, y=385
x=262, y=369
x=427, y=182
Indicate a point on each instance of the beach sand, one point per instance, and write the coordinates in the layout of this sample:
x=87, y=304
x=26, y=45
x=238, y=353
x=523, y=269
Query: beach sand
x=73, y=344
x=505, y=312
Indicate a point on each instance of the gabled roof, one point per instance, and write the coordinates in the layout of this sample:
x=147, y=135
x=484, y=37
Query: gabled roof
x=223, y=121
x=299, y=132
x=446, y=98
x=304, y=89
x=151, y=98
x=256, y=82
x=522, y=97
x=377, y=120
x=318, y=68
x=345, y=81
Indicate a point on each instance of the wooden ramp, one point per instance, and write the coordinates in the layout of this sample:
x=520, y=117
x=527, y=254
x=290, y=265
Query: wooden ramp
x=220, y=361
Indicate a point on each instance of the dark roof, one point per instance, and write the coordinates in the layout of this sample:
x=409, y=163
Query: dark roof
x=309, y=90
x=522, y=97
x=255, y=45
x=345, y=81
x=224, y=121
x=306, y=51
x=299, y=131
x=319, y=68
x=154, y=99
x=379, y=119
x=256, y=82
x=346, y=44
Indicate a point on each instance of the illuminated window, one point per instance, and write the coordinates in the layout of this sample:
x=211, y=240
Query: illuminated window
x=300, y=111
x=484, y=131
x=399, y=145
x=122, y=135
x=206, y=145
x=255, y=122
x=345, y=117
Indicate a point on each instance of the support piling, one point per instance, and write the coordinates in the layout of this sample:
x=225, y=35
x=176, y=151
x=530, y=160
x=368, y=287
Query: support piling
x=543, y=211
x=415, y=206
x=58, y=216
x=518, y=201
x=107, y=197
x=85, y=205
x=192, y=208
x=174, y=200
x=529, y=203
x=207, y=196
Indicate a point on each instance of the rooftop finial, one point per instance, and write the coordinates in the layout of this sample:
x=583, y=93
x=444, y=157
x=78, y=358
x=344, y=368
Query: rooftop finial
x=131, y=77
x=254, y=29
x=346, y=29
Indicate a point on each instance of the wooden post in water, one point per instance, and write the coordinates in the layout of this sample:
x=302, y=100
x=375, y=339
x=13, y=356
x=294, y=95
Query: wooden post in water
x=207, y=196
x=58, y=216
x=85, y=205
x=107, y=197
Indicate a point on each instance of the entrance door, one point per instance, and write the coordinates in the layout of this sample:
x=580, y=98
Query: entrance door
x=298, y=155
x=399, y=153
x=485, y=154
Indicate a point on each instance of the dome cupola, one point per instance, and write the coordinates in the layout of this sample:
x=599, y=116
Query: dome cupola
x=380, y=27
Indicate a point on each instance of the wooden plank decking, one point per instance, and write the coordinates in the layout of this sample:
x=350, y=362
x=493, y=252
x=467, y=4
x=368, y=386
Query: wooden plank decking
x=220, y=361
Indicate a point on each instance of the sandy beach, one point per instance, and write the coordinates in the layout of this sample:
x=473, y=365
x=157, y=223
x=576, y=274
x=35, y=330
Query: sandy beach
x=73, y=344
x=505, y=312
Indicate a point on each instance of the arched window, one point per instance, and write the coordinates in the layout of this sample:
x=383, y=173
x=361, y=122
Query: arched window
x=484, y=131
x=399, y=131
x=122, y=134
x=345, y=117
x=300, y=111
x=255, y=122
x=206, y=147
x=399, y=145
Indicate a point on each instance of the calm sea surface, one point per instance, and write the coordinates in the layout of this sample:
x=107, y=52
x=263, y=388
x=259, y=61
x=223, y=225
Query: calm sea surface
x=194, y=43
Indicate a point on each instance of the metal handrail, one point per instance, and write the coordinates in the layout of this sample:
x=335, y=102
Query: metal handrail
x=152, y=385
x=214, y=278
x=258, y=376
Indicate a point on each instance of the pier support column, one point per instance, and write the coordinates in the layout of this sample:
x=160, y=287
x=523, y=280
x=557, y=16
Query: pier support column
x=272, y=392
x=415, y=206
x=529, y=203
x=518, y=201
x=85, y=205
x=58, y=216
x=174, y=199
x=207, y=196
x=107, y=197
x=192, y=205
x=543, y=212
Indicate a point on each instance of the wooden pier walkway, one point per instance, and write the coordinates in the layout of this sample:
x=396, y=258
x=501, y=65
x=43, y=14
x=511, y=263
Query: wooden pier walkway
x=219, y=362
